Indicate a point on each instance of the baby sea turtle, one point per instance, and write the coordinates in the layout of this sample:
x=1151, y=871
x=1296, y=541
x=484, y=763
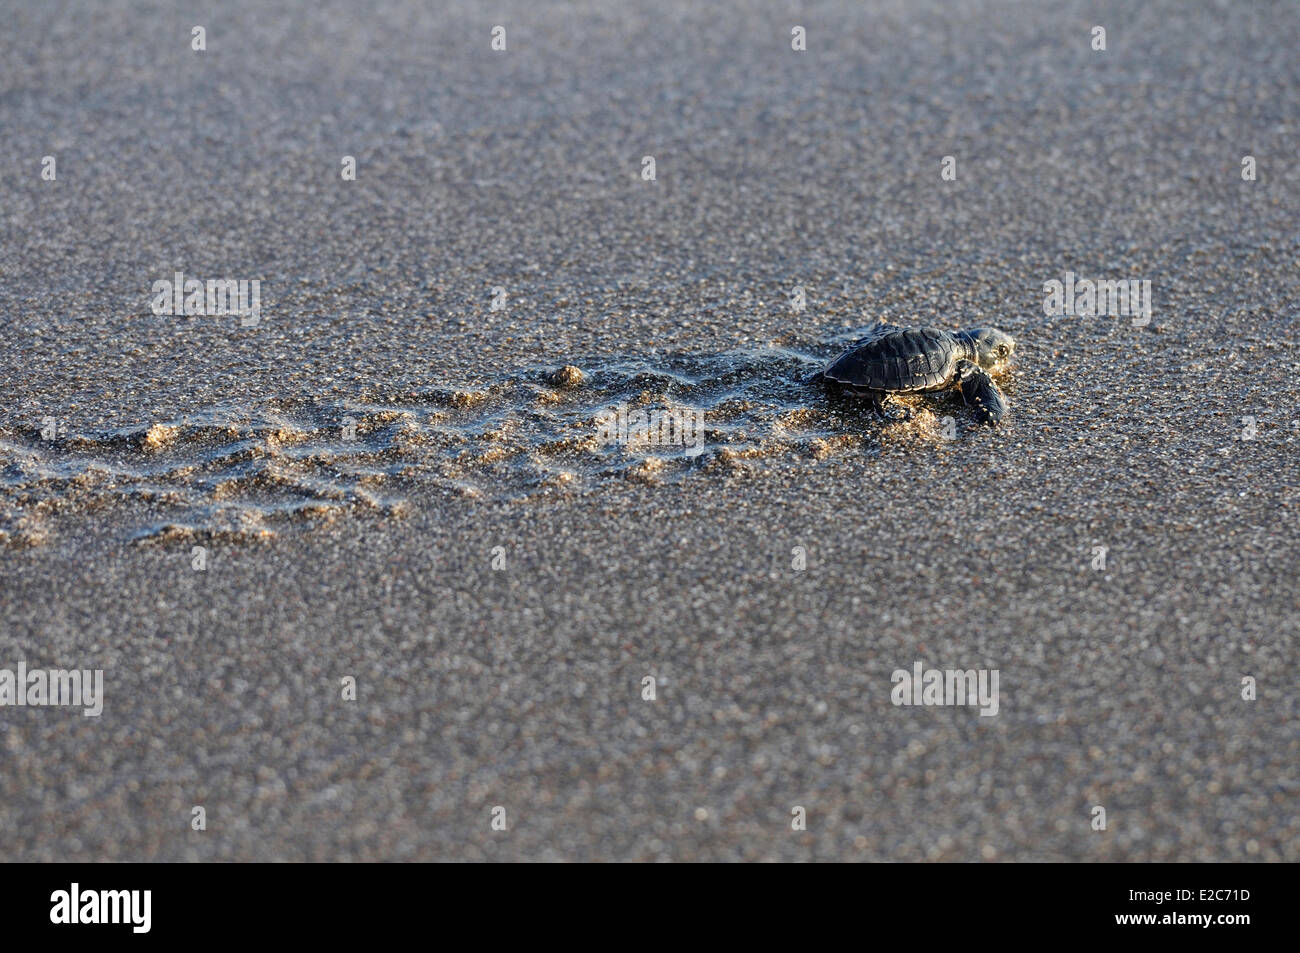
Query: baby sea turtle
x=895, y=360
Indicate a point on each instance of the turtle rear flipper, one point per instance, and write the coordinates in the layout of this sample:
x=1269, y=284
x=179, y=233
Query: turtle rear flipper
x=980, y=393
x=888, y=409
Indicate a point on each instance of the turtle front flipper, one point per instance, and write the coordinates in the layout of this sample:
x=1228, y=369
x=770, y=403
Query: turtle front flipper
x=980, y=393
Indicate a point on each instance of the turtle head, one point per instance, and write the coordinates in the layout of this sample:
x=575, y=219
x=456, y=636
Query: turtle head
x=989, y=346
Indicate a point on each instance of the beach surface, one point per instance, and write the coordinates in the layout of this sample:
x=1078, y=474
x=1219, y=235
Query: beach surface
x=389, y=484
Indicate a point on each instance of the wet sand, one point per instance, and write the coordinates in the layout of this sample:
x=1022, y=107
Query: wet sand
x=355, y=465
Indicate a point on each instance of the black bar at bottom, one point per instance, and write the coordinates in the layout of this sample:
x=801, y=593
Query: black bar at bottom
x=1222, y=904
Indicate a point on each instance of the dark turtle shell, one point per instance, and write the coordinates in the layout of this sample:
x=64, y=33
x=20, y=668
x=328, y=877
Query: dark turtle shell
x=903, y=359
